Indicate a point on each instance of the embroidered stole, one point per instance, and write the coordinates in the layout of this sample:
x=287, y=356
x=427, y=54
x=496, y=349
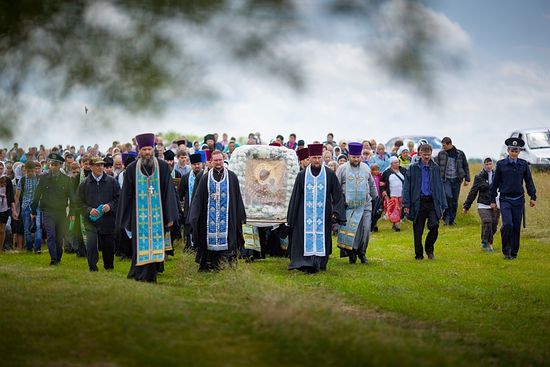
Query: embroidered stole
x=150, y=237
x=356, y=199
x=315, y=190
x=251, y=238
x=218, y=212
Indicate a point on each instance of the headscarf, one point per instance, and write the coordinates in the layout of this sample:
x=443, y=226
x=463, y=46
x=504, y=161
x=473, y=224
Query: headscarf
x=17, y=170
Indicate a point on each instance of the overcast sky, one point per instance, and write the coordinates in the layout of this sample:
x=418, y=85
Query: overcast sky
x=504, y=85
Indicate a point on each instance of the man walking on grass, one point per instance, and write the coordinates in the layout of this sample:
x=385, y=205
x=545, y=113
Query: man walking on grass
x=424, y=200
x=454, y=170
x=510, y=174
x=97, y=201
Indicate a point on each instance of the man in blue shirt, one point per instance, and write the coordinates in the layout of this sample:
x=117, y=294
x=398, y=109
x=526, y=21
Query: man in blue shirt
x=424, y=200
x=510, y=174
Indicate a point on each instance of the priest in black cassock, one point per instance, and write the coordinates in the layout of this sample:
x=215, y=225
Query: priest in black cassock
x=316, y=203
x=217, y=215
x=186, y=189
x=147, y=209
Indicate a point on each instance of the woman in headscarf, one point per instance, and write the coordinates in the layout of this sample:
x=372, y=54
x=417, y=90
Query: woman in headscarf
x=7, y=202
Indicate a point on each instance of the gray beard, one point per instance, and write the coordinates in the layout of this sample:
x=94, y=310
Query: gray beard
x=354, y=164
x=148, y=163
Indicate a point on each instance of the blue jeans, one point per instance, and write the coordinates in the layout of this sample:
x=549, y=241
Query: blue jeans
x=27, y=223
x=452, y=189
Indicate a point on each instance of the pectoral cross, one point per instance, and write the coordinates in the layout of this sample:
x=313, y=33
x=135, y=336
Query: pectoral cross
x=151, y=190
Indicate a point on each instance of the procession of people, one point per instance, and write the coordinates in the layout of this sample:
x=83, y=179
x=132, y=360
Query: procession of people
x=135, y=199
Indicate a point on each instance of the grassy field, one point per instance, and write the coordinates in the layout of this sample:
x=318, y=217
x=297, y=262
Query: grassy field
x=465, y=308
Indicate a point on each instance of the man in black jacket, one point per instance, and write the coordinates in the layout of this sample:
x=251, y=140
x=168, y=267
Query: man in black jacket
x=97, y=200
x=454, y=170
x=52, y=196
x=489, y=216
x=186, y=189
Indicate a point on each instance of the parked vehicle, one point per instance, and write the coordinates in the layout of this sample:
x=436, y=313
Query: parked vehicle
x=435, y=142
x=537, y=147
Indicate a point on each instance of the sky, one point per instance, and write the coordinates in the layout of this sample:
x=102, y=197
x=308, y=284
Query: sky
x=503, y=85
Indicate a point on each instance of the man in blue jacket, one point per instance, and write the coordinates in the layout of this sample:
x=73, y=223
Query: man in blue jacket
x=424, y=200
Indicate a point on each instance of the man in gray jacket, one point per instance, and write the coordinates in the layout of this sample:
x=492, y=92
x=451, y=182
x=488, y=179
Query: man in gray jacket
x=454, y=170
x=424, y=200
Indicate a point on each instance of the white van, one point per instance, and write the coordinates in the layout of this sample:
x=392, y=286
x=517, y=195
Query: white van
x=537, y=147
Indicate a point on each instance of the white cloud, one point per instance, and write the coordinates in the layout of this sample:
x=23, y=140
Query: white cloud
x=106, y=16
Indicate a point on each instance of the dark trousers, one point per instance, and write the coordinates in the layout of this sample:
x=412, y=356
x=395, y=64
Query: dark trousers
x=377, y=209
x=512, y=213
x=452, y=190
x=489, y=224
x=55, y=225
x=95, y=240
x=425, y=213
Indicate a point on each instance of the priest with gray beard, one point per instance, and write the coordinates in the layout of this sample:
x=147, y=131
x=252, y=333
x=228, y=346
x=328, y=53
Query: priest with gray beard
x=147, y=209
x=359, y=191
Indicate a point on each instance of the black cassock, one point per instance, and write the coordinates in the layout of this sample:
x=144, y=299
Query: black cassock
x=211, y=260
x=183, y=193
x=126, y=214
x=334, y=207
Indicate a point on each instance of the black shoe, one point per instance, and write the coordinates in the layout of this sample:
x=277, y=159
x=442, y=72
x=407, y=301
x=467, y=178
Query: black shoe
x=375, y=229
x=419, y=258
x=94, y=269
x=38, y=252
x=54, y=262
x=507, y=257
x=352, y=257
x=431, y=256
x=363, y=259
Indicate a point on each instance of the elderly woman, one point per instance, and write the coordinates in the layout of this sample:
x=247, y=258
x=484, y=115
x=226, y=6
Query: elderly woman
x=342, y=159
x=392, y=192
x=381, y=158
x=343, y=144
x=404, y=157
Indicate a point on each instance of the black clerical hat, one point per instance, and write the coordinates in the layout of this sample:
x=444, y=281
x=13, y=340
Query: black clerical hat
x=195, y=158
x=169, y=155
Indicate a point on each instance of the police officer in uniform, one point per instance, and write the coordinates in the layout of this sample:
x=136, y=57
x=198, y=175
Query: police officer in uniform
x=52, y=196
x=510, y=174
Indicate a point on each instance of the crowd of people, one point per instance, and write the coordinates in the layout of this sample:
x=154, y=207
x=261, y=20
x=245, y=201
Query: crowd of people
x=135, y=199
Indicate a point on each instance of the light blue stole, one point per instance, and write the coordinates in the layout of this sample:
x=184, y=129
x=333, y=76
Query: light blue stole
x=150, y=236
x=356, y=199
x=191, y=186
x=218, y=212
x=315, y=189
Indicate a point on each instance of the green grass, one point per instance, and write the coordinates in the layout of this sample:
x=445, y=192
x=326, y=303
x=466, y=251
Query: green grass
x=465, y=308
